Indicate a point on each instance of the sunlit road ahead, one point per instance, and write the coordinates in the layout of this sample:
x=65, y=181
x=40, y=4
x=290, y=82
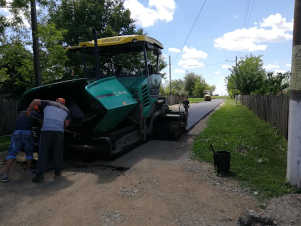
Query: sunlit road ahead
x=200, y=110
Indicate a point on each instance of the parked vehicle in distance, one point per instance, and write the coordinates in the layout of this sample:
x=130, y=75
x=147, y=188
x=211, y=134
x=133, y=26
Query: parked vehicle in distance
x=207, y=96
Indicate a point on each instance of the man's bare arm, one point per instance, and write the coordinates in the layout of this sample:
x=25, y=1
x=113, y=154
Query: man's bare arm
x=32, y=104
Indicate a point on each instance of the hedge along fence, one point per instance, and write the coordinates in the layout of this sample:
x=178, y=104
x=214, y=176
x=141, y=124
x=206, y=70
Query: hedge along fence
x=272, y=109
x=8, y=114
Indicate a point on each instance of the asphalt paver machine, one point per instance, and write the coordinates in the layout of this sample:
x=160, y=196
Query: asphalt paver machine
x=114, y=96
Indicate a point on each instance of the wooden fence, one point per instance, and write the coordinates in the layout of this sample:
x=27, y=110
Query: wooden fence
x=8, y=114
x=171, y=100
x=272, y=109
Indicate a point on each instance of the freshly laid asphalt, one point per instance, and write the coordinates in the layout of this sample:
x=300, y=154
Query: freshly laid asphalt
x=200, y=110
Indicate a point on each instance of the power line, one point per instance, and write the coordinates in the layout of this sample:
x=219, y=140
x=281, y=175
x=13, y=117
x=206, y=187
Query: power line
x=251, y=8
x=248, y=13
x=192, y=26
x=194, y=22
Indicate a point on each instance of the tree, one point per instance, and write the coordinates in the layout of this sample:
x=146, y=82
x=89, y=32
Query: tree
x=177, y=88
x=53, y=54
x=18, y=6
x=16, y=68
x=190, y=80
x=200, y=86
x=247, y=77
x=275, y=83
x=212, y=89
x=80, y=17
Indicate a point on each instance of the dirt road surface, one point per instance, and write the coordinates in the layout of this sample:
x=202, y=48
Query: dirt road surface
x=161, y=186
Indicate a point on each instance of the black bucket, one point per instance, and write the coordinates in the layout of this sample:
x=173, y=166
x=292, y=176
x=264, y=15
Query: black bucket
x=221, y=161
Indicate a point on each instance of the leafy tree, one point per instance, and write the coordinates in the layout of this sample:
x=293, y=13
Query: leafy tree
x=177, y=87
x=80, y=17
x=274, y=84
x=212, y=89
x=53, y=54
x=247, y=77
x=190, y=80
x=16, y=68
x=200, y=86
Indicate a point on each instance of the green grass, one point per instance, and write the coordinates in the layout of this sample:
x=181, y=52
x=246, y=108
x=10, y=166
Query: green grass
x=258, y=152
x=4, y=143
x=198, y=100
x=195, y=100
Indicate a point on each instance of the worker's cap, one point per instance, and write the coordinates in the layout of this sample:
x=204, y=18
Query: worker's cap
x=61, y=100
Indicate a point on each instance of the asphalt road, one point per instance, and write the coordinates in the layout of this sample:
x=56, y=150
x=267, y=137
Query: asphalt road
x=200, y=110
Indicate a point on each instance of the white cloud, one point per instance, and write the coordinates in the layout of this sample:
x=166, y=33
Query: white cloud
x=271, y=67
x=179, y=71
x=288, y=65
x=193, y=53
x=191, y=63
x=174, y=50
x=217, y=72
x=226, y=66
x=274, y=28
x=191, y=58
x=157, y=10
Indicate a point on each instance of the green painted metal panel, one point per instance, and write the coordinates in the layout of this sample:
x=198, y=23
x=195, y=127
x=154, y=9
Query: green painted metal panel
x=141, y=88
x=115, y=98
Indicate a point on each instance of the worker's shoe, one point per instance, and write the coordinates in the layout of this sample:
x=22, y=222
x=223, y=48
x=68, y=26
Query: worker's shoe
x=38, y=178
x=4, y=178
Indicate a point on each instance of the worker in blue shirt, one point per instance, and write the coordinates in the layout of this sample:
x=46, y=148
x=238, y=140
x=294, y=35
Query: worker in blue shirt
x=21, y=140
x=56, y=116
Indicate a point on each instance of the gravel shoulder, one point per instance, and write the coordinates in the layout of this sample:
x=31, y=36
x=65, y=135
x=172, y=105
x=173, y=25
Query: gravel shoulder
x=162, y=186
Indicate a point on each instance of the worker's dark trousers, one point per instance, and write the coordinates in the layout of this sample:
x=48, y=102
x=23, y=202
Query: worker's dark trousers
x=51, y=143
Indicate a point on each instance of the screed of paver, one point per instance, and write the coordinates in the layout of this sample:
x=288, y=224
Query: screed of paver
x=162, y=187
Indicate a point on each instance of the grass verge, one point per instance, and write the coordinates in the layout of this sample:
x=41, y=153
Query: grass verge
x=4, y=143
x=258, y=152
x=198, y=100
x=195, y=100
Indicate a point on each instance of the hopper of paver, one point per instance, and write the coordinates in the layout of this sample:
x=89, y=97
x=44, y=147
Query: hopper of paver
x=115, y=99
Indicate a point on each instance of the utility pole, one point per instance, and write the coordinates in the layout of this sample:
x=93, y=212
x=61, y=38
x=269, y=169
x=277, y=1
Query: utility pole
x=293, y=173
x=169, y=76
x=236, y=61
x=35, y=42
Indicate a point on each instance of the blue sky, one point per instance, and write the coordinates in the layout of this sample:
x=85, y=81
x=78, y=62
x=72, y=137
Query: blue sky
x=223, y=30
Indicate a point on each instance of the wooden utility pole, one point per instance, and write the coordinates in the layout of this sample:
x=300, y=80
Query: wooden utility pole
x=293, y=174
x=169, y=76
x=35, y=42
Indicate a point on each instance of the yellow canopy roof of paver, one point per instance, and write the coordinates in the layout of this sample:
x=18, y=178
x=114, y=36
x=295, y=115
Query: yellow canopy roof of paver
x=119, y=40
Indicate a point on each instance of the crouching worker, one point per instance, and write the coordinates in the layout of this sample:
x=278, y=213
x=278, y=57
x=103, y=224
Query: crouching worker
x=56, y=118
x=21, y=140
